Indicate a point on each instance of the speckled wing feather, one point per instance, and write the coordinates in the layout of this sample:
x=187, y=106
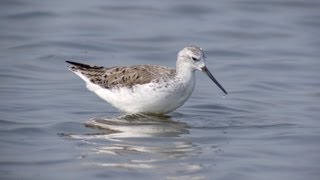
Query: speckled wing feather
x=121, y=76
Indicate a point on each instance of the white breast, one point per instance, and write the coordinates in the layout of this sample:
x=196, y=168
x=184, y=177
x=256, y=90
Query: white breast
x=148, y=98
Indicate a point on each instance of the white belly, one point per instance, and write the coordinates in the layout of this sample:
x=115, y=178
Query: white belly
x=147, y=98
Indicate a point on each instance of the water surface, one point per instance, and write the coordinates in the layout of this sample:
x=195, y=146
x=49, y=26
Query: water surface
x=265, y=54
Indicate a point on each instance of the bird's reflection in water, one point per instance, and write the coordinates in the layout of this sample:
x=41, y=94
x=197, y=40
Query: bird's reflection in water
x=138, y=125
x=140, y=142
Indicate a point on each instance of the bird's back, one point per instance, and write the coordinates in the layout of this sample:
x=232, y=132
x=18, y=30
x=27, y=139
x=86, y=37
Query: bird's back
x=124, y=76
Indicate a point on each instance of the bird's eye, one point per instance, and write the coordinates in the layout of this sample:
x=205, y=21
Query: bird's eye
x=195, y=59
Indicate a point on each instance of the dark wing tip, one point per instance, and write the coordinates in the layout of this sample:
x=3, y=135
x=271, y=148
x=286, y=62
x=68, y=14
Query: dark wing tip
x=70, y=62
x=84, y=65
x=78, y=64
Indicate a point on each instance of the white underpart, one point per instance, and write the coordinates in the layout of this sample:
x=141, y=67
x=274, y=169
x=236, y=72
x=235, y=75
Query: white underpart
x=159, y=98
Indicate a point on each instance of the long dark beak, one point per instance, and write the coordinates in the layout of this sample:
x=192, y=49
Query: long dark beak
x=205, y=69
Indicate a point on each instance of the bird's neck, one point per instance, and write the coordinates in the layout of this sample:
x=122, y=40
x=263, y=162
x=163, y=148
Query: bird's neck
x=185, y=71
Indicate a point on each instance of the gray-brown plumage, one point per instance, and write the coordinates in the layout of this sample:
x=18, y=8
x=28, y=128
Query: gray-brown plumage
x=122, y=76
x=146, y=88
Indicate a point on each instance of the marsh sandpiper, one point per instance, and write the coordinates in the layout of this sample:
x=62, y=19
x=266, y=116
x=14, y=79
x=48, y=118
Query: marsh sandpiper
x=146, y=88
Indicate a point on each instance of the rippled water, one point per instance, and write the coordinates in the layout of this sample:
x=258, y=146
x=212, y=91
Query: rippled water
x=265, y=53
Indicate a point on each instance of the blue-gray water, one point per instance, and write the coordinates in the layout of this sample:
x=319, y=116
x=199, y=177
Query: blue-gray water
x=265, y=53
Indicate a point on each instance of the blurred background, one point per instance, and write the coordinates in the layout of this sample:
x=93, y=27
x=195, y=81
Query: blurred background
x=264, y=53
